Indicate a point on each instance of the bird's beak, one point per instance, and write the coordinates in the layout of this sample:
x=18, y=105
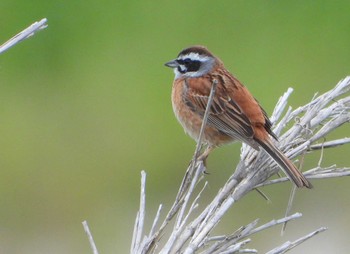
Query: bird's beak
x=172, y=64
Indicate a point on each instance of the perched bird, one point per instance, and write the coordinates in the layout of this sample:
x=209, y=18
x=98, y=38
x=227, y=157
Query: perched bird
x=235, y=115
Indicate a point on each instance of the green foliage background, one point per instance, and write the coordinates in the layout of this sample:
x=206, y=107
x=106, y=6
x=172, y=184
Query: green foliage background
x=85, y=106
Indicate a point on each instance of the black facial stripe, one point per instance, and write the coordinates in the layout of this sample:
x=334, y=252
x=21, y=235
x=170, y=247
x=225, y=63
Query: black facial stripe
x=191, y=65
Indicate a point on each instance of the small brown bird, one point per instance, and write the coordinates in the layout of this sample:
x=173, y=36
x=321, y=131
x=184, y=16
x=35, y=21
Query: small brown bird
x=235, y=115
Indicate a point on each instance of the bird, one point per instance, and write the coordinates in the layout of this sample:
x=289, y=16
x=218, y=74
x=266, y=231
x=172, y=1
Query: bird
x=234, y=115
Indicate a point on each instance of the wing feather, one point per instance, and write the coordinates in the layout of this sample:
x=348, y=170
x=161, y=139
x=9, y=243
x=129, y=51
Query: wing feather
x=225, y=115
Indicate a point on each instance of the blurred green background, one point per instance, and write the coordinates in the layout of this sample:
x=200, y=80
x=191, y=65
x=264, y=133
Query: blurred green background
x=85, y=106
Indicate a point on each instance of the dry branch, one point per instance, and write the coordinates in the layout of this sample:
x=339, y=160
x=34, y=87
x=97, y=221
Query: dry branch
x=310, y=124
x=91, y=239
x=25, y=34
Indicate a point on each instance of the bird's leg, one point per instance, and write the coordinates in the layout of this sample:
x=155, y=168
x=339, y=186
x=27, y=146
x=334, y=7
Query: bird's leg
x=205, y=154
x=203, y=157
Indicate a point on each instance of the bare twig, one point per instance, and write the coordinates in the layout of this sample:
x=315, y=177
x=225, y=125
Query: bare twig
x=289, y=207
x=275, y=222
x=204, y=122
x=330, y=144
x=290, y=245
x=26, y=33
x=193, y=165
x=138, y=229
x=156, y=219
x=91, y=240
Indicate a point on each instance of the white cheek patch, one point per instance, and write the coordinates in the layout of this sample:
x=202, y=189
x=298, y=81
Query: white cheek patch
x=177, y=73
x=183, y=68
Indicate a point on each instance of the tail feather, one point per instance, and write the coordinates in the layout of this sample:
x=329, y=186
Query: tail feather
x=287, y=166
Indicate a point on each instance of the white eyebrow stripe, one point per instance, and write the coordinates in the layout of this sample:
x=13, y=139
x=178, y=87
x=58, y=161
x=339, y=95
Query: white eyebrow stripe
x=195, y=57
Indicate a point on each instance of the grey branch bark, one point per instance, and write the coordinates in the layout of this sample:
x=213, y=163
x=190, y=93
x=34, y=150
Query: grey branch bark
x=26, y=33
x=308, y=126
x=91, y=239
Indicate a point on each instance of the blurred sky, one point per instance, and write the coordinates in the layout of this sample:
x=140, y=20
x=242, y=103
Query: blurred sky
x=85, y=106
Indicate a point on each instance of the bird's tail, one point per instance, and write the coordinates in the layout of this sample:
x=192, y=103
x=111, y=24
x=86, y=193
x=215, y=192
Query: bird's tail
x=287, y=166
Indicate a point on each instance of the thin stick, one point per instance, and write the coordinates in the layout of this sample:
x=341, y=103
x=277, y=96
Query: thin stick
x=292, y=196
x=289, y=207
x=205, y=119
x=155, y=221
x=91, y=240
x=275, y=222
x=140, y=217
x=290, y=245
x=189, y=172
x=263, y=195
x=26, y=33
x=330, y=144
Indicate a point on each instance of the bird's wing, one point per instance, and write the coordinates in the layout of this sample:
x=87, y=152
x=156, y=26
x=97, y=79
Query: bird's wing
x=225, y=114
